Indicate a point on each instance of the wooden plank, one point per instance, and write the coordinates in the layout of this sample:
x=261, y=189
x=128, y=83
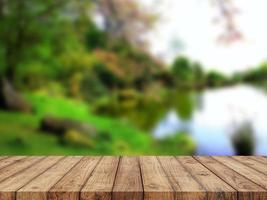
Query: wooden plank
x=155, y=181
x=9, y=160
x=216, y=188
x=100, y=184
x=128, y=182
x=185, y=186
x=9, y=186
x=246, y=189
x=259, y=166
x=68, y=188
x=251, y=174
x=3, y=157
x=259, y=159
x=15, y=167
x=133, y=178
x=38, y=188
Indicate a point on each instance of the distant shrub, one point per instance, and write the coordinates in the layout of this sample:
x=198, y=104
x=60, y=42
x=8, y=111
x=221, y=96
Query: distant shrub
x=243, y=139
x=216, y=79
x=181, y=70
x=73, y=137
x=106, y=76
x=91, y=87
x=95, y=38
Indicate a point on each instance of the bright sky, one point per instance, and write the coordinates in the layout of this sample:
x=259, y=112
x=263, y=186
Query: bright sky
x=190, y=21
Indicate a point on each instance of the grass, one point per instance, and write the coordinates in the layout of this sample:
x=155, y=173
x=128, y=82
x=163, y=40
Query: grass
x=20, y=133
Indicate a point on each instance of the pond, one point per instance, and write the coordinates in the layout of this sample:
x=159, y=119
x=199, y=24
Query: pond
x=225, y=121
x=228, y=121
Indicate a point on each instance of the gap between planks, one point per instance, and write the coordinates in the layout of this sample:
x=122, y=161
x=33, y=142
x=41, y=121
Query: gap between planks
x=136, y=178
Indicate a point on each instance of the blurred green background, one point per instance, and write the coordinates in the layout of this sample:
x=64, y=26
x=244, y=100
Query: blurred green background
x=71, y=86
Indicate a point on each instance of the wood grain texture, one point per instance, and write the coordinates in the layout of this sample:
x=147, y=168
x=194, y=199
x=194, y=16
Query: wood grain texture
x=133, y=178
x=9, y=186
x=128, y=183
x=3, y=157
x=185, y=186
x=100, y=184
x=155, y=181
x=16, y=167
x=259, y=159
x=246, y=171
x=246, y=189
x=216, y=188
x=68, y=188
x=6, y=161
x=259, y=166
x=38, y=188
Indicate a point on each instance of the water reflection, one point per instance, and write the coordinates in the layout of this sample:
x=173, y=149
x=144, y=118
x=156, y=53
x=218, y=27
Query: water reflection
x=171, y=123
x=221, y=127
x=228, y=121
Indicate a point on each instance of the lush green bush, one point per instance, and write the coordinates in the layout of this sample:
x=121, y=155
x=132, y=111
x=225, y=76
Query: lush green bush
x=115, y=137
x=187, y=73
x=257, y=74
x=182, y=71
x=91, y=88
x=95, y=38
x=216, y=79
x=106, y=76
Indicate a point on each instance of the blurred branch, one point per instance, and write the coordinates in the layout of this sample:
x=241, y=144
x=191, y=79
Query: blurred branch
x=52, y=7
x=126, y=19
x=228, y=13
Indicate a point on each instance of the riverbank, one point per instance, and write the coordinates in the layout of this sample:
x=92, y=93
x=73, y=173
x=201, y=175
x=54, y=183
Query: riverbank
x=21, y=134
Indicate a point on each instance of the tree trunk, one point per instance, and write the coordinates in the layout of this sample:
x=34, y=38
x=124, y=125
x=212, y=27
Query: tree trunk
x=11, y=64
x=14, y=43
x=12, y=100
x=1, y=9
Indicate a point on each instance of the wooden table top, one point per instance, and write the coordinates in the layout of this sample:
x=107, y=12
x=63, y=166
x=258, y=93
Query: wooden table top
x=132, y=178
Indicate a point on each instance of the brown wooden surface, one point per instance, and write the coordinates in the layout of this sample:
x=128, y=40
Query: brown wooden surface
x=37, y=188
x=74, y=180
x=155, y=181
x=133, y=178
x=215, y=187
x=101, y=181
x=246, y=188
x=184, y=184
x=128, y=182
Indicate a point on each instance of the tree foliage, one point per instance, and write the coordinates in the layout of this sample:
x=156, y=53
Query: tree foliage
x=39, y=29
x=126, y=19
x=216, y=79
x=188, y=73
x=227, y=17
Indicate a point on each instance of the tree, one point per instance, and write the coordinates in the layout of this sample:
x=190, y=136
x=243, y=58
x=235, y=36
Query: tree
x=255, y=74
x=228, y=12
x=19, y=21
x=199, y=74
x=126, y=19
x=27, y=26
x=33, y=36
x=182, y=71
x=215, y=79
